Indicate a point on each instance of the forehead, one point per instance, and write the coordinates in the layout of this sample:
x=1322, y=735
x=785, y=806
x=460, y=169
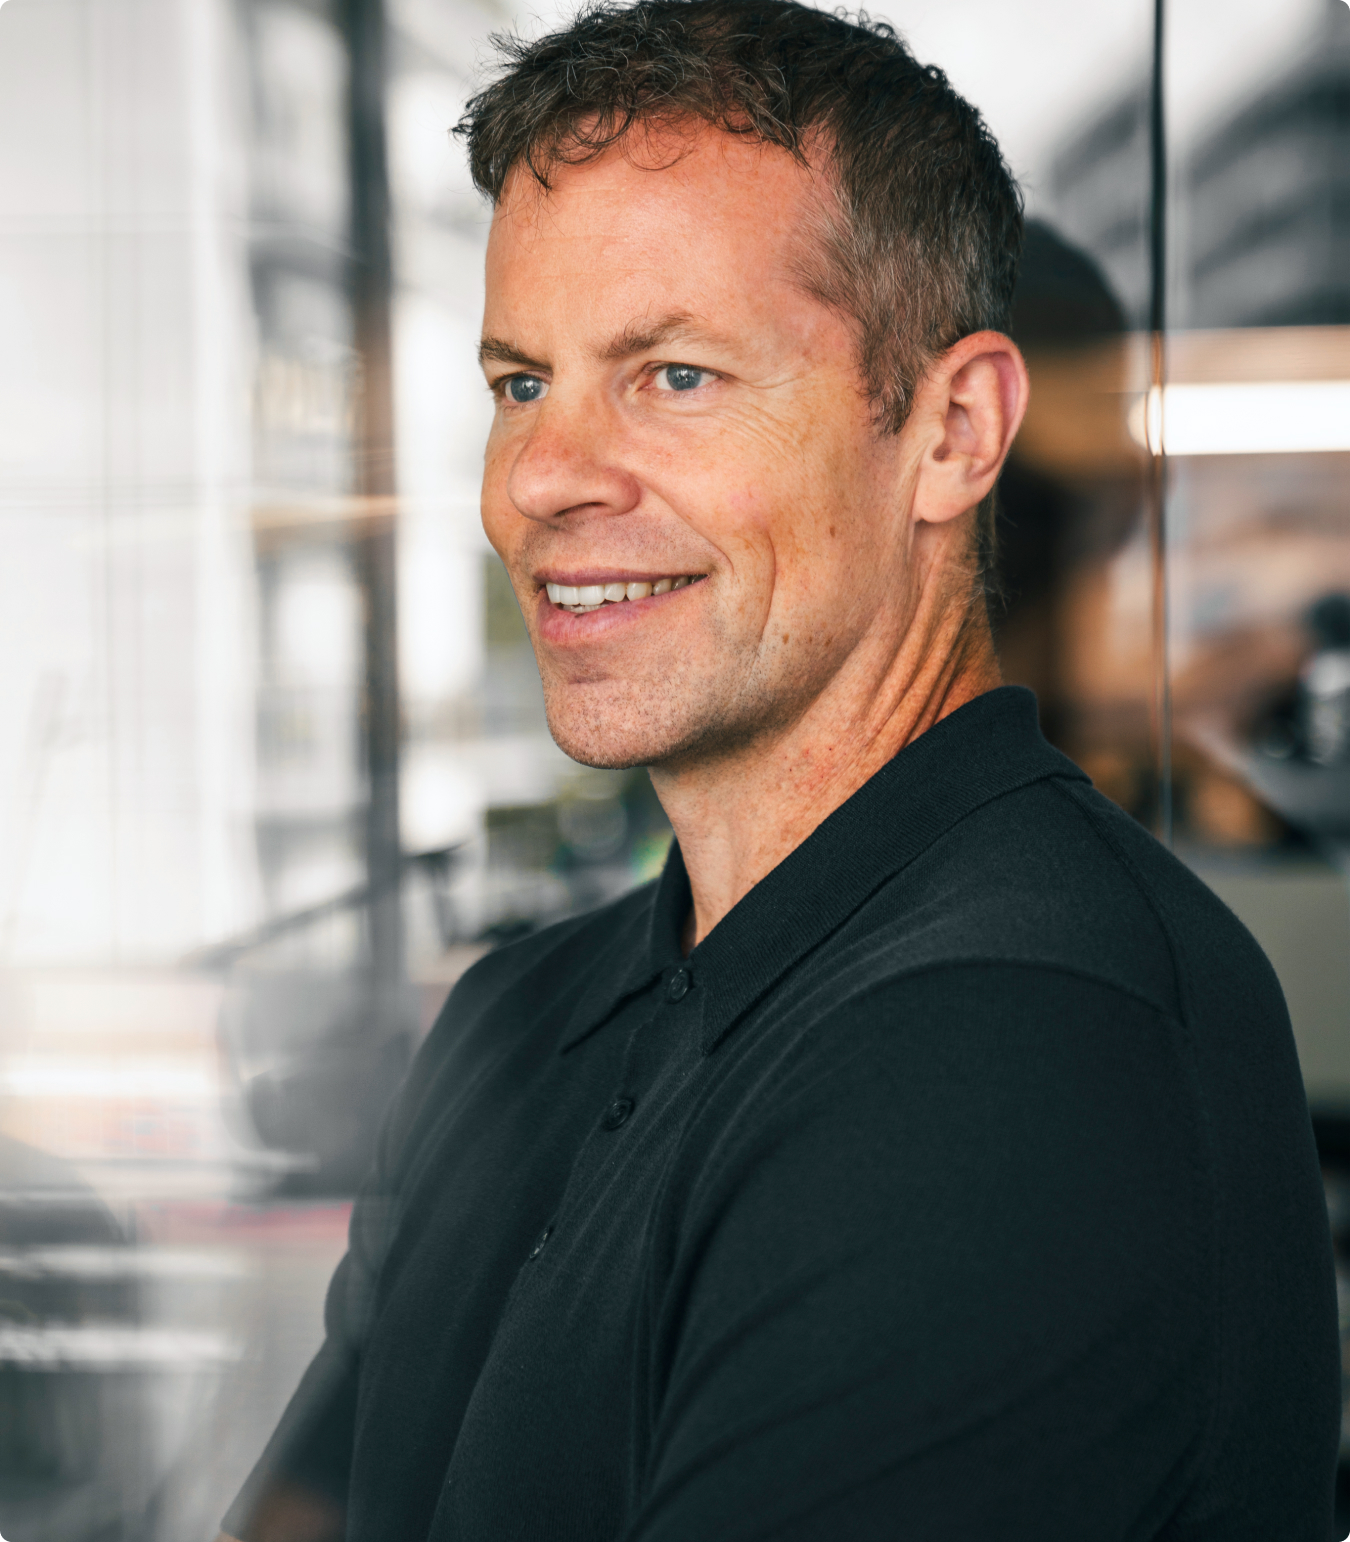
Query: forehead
x=706, y=218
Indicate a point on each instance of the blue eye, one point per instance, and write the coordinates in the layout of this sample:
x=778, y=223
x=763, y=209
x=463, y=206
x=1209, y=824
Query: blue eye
x=520, y=389
x=682, y=377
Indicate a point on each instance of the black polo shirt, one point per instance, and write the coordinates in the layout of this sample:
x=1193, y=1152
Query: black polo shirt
x=959, y=1185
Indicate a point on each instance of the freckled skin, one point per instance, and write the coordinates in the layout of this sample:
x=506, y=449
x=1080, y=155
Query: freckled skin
x=736, y=481
x=832, y=620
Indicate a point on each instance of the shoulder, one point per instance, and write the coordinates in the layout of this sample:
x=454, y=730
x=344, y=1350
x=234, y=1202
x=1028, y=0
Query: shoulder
x=943, y=1082
x=1054, y=876
x=1005, y=1057
x=1005, y=1132
x=1200, y=929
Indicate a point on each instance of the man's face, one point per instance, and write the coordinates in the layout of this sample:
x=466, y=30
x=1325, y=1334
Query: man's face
x=681, y=429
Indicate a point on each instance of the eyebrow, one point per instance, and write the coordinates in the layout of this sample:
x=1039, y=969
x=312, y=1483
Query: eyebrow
x=642, y=337
x=636, y=337
x=500, y=351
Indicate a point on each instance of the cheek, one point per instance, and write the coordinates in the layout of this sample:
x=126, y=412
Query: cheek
x=804, y=513
x=499, y=517
x=738, y=519
x=777, y=509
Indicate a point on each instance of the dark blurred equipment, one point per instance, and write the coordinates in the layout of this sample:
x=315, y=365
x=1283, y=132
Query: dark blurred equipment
x=316, y=1079
x=1299, y=762
x=318, y=1052
x=437, y=865
x=1324, y=684
x=73, y=1433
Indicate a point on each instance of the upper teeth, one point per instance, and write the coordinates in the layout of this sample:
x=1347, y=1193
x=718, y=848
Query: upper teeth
x=593, y=596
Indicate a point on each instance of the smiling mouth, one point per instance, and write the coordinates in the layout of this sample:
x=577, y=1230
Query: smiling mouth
x=587, y=597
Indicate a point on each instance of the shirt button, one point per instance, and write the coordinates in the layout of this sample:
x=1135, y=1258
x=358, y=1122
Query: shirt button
x=678, y=986
x=540, y=1240
x=617, y=1113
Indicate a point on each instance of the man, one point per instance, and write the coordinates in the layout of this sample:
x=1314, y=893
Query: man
x=925, y=1155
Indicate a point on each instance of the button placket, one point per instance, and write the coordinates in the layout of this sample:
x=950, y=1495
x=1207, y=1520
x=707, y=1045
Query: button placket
x=641, y=1058
x=617, y=1113
x=679, y=985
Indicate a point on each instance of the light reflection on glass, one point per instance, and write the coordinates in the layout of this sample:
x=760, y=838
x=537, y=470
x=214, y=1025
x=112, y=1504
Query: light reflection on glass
x=1278, y=417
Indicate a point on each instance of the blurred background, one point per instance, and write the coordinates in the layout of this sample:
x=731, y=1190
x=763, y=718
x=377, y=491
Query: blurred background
x=273, y=763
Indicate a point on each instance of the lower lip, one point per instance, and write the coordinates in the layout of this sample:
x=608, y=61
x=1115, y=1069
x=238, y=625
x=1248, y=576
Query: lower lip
x=561, y=627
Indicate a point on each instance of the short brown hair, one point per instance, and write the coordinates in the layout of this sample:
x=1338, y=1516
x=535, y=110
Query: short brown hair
x=924, y=246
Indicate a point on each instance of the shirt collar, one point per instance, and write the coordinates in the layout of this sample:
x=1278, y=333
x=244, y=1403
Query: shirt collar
x=645, y=945
x=987, y=748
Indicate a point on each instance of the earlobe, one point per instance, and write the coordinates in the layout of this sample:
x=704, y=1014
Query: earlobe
x=972, y=400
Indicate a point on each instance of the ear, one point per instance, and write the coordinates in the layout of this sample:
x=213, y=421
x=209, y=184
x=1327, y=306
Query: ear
x=967, y=411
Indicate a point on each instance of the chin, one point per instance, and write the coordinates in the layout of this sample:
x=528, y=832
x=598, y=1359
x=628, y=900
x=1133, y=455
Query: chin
x=594, y=744
x=615, y=730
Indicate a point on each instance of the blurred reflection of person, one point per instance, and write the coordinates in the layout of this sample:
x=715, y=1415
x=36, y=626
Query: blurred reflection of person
x=1047, y=526
x=925, y=1153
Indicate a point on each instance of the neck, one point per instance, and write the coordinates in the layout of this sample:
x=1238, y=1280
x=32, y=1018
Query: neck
x=738, y=816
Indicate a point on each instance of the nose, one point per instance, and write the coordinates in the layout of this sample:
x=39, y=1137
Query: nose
x=570, y=462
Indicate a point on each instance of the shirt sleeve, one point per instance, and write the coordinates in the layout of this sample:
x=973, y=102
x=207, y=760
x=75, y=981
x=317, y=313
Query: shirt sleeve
x=949, y=1278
